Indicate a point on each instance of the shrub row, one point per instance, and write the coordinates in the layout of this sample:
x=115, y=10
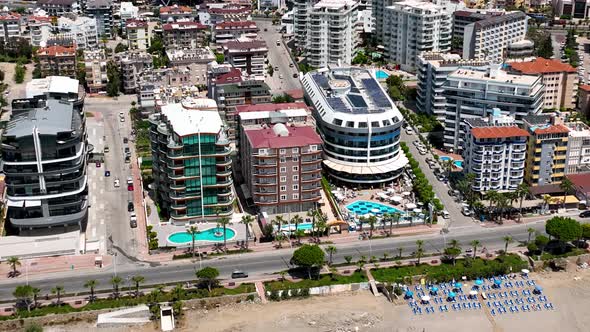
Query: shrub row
x=422, y=187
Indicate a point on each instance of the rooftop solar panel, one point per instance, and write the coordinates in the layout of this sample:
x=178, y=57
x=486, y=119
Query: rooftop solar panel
x=357, y=100
x=321, y=80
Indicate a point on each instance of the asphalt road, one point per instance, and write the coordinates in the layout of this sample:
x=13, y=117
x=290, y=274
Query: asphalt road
x=278, y=56
x=264, y=263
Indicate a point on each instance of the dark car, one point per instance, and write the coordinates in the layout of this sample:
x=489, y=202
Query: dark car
x=585, y=214
x=130, y=207
x=125, y=140
x=239, y=274
x=130, y=187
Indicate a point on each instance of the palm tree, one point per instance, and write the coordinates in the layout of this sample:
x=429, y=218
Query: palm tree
x=394, y=217
x=323, y=221
x=475, y=244
x=177, y=292
x=116, y=281
x=491, y=196
x=567, y=186
x=58, y=290
x=531, y=231
x=331, y=251
x=296, y=220
x=501, y=204
x=546, y=201
x=92, y=283
x=193, y=230
x=278, y=221
x=137, y=279
x=420, y=250
x=522, y=191
x=311, y=214
x=298, y=235
x=360, y=264
x=36, y=292
x=247, y=221
x=24, y=293
x=14, y=262
x=280, y=238
x=372, y=221
x=507, y=239
x=454, y=243
x=400, y=250
x=224, y=222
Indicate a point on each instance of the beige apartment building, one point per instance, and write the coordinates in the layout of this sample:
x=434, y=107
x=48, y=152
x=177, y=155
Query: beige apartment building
x=57, y=61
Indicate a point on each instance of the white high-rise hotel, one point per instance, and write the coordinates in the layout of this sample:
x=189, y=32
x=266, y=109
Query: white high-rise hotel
x=412, y=27
x=326, y=31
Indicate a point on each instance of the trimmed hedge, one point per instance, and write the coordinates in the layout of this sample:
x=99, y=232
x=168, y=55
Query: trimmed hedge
x=422, y=187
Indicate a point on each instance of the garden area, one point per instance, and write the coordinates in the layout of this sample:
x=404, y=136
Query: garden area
x=322, y=280
x=567, y=237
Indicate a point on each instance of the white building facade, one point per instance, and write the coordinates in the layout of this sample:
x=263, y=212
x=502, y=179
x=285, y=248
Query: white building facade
x=83, y=30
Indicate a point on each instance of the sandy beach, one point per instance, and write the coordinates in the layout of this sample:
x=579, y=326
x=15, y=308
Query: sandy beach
x=362, y=311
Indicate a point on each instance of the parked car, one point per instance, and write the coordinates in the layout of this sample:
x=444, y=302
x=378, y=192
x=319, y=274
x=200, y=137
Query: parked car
x=130, y=206
x=130, y=187
x=117, y=183
x=125, y=140
x=239, y=274
x=409, y=131
x=98, y=164
x=466, y=211
x=585, y=214
x=445, y=214
x=295, y=75
x=133, y=221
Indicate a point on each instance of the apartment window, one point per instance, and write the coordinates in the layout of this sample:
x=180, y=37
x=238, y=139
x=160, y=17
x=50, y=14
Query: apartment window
x=295, y=196
x=295, y=168
x=283, y=197
x=262, y=151
x=313, y=147
x=283, y=188
x=295, y=158
x=282, y=151
x=283, y=169
x=295, y=150
x=295, y=177
x=283, y=159
x=295, y=187
x=283, y=179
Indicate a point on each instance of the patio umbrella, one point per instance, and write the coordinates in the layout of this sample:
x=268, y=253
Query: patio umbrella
x=397, y=199
x=434, y=289
x=538, y=288
x=478, y=282
x=498, y=282
x=452, y=294
x=406, y=193
x=473, y=293
x=417, y=210
x=525, y=271
x=458, y=285
x=411, y=206
x=375, y=210
x=425, y=298
x=409, y=294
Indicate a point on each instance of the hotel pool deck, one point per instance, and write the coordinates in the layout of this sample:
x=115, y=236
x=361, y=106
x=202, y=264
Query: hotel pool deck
x=176, y=236
x=363, y=207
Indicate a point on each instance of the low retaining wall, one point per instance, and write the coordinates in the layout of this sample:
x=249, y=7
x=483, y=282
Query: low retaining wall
x=332, y=289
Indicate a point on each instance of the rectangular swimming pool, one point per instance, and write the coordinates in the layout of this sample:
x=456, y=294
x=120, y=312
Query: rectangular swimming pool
x=364, y=207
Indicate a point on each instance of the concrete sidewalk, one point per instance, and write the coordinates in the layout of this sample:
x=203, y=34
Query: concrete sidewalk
x=43, y=265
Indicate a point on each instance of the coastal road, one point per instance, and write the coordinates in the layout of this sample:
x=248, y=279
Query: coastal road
x=262, y=264
x=278, y=57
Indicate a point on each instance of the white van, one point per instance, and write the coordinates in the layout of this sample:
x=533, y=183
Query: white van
x=445, y=214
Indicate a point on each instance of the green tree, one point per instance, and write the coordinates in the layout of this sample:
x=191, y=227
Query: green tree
x=19, y=73
x=507, y=240
x=567, y=186
x=114, y=80
x=14, y=262
x=120, y=48
x=586, y=231
x=193, y=230
x=224, y=221
x=522, y=191
x=563, y=229
x=541, y=241
x=331, y=250
x=308, y=257
x=137, y=280
x=156, y=46
x=116, y=281
x=419, y=250
x=58, y=290
x=532, y=248
x=24, y=293
x=33, y=327
x=92, y=283
x=453, y=252
x=372, y=222
x=298, y=235
x=475, y=244
x=270, y=70
x=247, y=221
x=531, y=231
x=220, y=58
x=36, y=292
x=348, y=259
x=208, y=275
x=360, y=59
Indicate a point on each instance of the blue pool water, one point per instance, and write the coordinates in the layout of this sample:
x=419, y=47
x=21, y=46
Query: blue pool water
x=304, y=226
x=445, y=158
x=458, y=163
x=205, y=235
x=381, y=75
x=364, y=207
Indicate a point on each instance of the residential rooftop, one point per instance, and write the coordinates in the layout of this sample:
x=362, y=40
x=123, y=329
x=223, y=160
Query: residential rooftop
x=282, y=136
x=57, y=116
x=414, y=4
x=52, y=84
x=175, y=9
x=334, y=4
x=57, y=50
x=438, y=60
x=578, y=129
x=498, y=76
x=245, y=45
x=235, y=25
x=184, y=26
x=498, y=132
x=542, y=66
x=270, y=107
x=187, y=118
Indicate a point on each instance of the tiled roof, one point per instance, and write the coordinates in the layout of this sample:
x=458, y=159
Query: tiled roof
x=269, y=107
x=233, y=76
x=175, y=9
x=10, y=16
x=184, y=26
x=229, y=25
x=57, y=50
x=229, y=10
x=133, y=23
x=244, y=45
x=584, y=87
x=39, y=18
x=296, y=94
x=553, y=129
x=542, y=66
x=498, y=132
x=581, y=181
x=268, y=138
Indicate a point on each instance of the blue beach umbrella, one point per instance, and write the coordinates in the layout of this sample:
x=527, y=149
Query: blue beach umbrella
x=479, y=282
x=538, y=288
x=409, y=294
x=498, y=282
x=458, y=285
x=434, y=289
x=452, y=294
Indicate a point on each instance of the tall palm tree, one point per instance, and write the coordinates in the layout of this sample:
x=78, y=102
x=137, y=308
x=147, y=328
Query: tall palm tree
x=116, y=281
x=400, y=250
x=137, y=279
x=193, y=230
x=522, y=191
x=567, y=186
x=501, y=204
x=311, y=214
x=280, y=238
x=279, y=220
x=296, y=220
x=394, y=217
x=58, y=290
x=420, y=249
x=92, y=283
x=331, y=251
x=531, y=231
x=298, y=235
x=491, y=196
x=454, y=243
x=247, y=221
x=14, y=262
x=475, y=244
x=224, y=222
x=372, y=222
x=362, y=220
x=507, y=239
x=36, y=292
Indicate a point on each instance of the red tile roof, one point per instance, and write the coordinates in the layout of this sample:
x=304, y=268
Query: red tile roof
x=553, y=129
x=57, y=50
x=229, y=25
x=39, y=18
x=581, y=181
x=498, y=132
x=245, y=45
x=296, y=94
x=584, y=87
x=175, y=9
x=542, y=66
x=233, y=76
x=133, y=23
x=184, y=26
x=298, y=136
x=269, y=107
x=229, y=10
x=10, y=16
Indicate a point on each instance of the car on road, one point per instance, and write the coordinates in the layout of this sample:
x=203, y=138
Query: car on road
x=98, y=164
x=445, y=214
x=409, y=131
x=127, y=159
x=585, y=214
x=130, y=206
x=125, y=140
x=117, y=183
x=239, y=274
x=133, y=220
x=291, y=65
x=276, y=68
x=122, y=119
x=265, y=29
x=126, y=149
x=278, y=42
x=129, y=180
x=295, y=75
x=281, y=76
x=466, y=211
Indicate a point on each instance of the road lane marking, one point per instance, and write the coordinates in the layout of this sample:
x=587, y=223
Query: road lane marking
x=93, y=231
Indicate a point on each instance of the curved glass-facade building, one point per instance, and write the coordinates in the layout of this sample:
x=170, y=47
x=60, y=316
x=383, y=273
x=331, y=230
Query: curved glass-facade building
x=359, y=125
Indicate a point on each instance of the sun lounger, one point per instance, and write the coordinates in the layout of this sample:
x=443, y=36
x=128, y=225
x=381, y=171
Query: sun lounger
x=493, y=312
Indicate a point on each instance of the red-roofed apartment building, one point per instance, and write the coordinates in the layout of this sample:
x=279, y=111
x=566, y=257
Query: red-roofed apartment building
x=495, y=152
x=184, y=35
x=234, y=30
x=10, y=26
x=560, y=79
x=281, y=164
x=176, y=13
x=57, y=61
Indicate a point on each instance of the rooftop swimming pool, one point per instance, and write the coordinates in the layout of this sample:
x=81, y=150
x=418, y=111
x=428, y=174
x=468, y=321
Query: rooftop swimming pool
x=364, y=207
x=214, y=234
x=381, y=75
